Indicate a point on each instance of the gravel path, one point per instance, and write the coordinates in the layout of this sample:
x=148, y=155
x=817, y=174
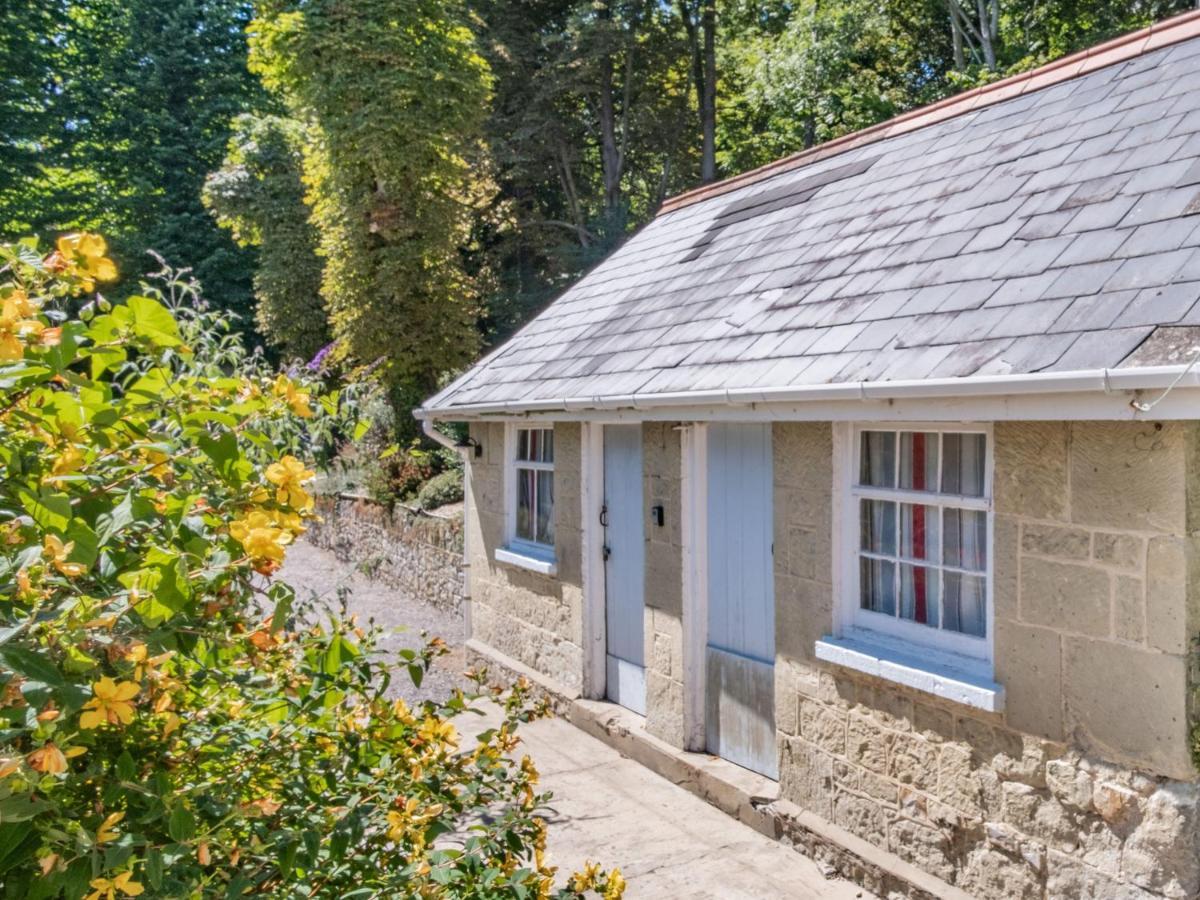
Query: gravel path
x=315, y=572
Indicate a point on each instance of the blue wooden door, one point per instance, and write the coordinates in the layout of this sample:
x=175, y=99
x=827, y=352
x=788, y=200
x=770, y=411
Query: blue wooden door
x=740, y=658
x=625, y=566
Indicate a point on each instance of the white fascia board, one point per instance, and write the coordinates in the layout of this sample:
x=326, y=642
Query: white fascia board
x=1116, y=386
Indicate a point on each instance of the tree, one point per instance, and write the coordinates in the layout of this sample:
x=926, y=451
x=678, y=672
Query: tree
x=588, y=132
x=258, y=195
x=700, y=20
x=27, y=83
x=831, y=69
x=392, y=96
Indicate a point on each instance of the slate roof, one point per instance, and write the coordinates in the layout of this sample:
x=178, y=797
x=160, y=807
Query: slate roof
x=1051, y=231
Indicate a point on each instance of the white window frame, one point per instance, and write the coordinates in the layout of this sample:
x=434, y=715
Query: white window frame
x=943, y=662
x=522, y=552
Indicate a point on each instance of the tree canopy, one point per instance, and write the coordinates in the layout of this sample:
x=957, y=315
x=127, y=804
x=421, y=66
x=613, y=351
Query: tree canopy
x=413, y=180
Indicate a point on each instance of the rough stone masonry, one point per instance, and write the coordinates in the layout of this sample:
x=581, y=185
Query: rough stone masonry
x=1082, y=787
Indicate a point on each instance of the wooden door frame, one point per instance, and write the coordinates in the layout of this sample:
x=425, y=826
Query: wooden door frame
x=694, y=513
x=595, y=636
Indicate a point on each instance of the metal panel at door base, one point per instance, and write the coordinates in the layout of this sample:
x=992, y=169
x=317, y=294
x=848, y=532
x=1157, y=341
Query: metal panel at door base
x=740, y=714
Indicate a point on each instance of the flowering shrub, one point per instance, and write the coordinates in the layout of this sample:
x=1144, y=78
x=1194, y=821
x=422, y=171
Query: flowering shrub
x=166, y=728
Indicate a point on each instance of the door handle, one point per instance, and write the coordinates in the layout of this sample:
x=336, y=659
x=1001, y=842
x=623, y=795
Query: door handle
x=604, y=517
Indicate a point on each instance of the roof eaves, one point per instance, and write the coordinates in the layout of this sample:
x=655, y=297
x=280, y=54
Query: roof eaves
x=1120, y=49
x=1082, y=381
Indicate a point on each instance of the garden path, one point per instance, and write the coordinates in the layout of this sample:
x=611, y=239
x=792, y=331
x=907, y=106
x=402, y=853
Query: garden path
x=606, y=807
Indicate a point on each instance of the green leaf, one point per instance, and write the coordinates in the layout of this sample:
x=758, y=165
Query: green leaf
x=182, y=824
x=153, y=321
x=126, y=768
x=21, y=809
x=226, y=456
x=32, y=664
x=51, y=511
x=154, y=868
x=87, y=544
x=106, y=358
x=283, y=597
x=164, y=583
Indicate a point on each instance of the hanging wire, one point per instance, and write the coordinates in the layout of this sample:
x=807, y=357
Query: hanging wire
x=1146, y=407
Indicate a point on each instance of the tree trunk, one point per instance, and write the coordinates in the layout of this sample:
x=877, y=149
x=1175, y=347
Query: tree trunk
x=610, y=154
x=960, y=62
x=708, y=101
x=987, y=35
x=567, y=179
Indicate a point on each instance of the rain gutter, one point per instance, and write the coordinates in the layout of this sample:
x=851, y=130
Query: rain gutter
x=1107, y=381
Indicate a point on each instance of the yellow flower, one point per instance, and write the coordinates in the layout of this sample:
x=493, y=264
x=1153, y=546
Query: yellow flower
x=263, y=542
x=110, y=703
x=158, y=463
x=22, y=304
x=436, y=731
x=528, y=768
x=586, y=880
x=25, y=589
x=8, y=765
x=47, y=759
x=105, y=889
x=14, y=326
x=58, y=552
x=83, y=255
x=615, y=888
x=66, y=462
x=397, y=825
x=288, y=475
x=107, y=831
x=295, y=398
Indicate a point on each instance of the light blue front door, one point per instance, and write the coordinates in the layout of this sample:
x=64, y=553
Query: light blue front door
x=625, y=566
x=740, y=658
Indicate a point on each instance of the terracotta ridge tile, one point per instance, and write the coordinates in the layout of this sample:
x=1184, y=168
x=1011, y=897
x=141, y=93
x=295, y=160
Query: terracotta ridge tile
x=1119, y=49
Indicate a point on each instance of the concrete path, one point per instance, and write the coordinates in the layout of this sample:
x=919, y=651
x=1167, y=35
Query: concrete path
x=606, y=807
x=667, y=842
x=317, y=574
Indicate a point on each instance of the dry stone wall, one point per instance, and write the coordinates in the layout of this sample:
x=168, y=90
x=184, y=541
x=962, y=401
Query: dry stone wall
x=1083, y=787
x=419, y=555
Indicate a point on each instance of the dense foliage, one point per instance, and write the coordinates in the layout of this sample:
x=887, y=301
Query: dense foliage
x=258, y=194
x=112, y=113
x=391, y=95
x=170, y=725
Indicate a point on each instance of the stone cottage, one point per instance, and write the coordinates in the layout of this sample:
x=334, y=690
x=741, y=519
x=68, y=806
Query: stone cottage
x=876, y=472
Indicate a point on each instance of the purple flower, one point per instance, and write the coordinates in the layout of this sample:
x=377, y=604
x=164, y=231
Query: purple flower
x=315, y=364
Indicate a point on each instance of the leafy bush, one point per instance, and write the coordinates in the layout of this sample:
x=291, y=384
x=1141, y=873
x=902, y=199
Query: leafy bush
x=167, y=727
x=441, y=489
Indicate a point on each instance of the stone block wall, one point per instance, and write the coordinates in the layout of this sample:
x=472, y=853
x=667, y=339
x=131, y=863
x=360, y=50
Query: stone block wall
x=662, y=469
x=1083, y=787
x=418, y=554
x=534, y=618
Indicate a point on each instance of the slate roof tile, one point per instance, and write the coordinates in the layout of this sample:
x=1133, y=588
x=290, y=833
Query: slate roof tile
x=1049, y=231
x=1159, y=305
x=1098, y=349
x=1093, y=312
